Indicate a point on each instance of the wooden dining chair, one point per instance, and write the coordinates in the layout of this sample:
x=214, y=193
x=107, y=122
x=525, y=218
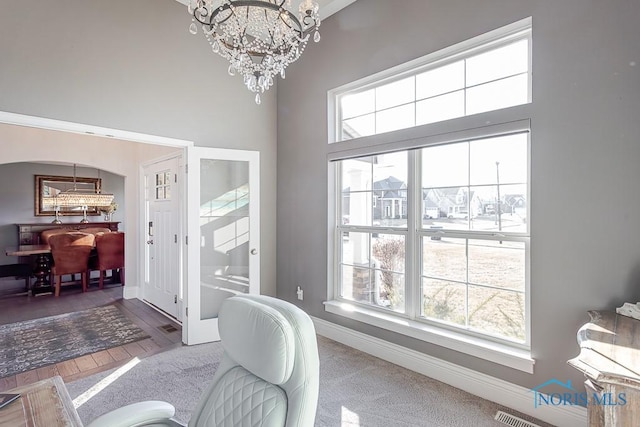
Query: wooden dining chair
x=110, y=249
x=70, y=252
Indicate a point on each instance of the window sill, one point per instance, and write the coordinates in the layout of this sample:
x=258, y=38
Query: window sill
x=494, y=352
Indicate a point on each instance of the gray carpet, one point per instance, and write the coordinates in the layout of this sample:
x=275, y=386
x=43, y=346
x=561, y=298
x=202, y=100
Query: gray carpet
x=40, y=342
x=356, y=389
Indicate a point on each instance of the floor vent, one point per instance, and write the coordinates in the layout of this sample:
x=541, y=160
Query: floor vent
x=168, y=328
x=513, y=421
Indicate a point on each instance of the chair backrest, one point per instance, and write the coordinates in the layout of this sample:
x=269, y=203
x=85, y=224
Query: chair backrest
x=46, y=234
x=71, y=251
x=269, y=373
x=94, y=230
x=110, y=249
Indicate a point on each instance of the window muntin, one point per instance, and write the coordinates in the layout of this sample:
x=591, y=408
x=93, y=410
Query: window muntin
x=472, y=235
x=486, y=78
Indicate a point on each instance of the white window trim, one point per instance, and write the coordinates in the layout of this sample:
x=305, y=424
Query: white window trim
x=474, y=45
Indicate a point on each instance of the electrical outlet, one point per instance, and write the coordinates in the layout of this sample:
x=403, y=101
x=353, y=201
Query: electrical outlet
x=300, y=293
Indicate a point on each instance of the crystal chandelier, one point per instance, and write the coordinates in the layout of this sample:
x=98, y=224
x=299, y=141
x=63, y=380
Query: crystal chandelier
x=79, y=198
x=76, y=198
x=260, y=38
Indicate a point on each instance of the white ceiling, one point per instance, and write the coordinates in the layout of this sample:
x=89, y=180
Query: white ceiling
x=327, y=7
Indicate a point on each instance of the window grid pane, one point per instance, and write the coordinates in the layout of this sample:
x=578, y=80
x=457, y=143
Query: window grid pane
x=396, y=93
x=440, y=108
x=497, y=312
x=498, y=94
x=498, y=63
x=358, y=104
x=395, y=118
x=373, y=269
x=449, y=268
x=438, y=81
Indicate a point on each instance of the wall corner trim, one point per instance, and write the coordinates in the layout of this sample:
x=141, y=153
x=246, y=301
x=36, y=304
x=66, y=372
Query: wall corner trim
x=485, y=386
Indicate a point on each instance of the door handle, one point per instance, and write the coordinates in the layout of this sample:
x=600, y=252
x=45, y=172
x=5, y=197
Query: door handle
x=149, y=242
x=254, y=251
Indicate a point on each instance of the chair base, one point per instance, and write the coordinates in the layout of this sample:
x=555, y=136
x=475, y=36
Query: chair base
x=119, y=272
x=58, y=282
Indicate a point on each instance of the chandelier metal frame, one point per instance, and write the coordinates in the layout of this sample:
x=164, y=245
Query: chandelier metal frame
x=259, y=38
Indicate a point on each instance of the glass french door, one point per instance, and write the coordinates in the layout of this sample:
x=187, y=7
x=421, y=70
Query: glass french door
x=223, y=229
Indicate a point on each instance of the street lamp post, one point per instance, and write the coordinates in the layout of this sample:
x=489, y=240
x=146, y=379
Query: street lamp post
x=498, y=207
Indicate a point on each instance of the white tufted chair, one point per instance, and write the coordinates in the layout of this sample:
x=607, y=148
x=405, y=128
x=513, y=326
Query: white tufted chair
x=268, y=376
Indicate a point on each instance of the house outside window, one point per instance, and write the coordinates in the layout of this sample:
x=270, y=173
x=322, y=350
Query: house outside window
x=445, y=246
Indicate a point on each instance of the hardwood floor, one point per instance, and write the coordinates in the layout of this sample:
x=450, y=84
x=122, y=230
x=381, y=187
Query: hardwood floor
x=16, y=308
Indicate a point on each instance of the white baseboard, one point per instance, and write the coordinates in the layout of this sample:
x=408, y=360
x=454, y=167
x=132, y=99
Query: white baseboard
x=130, y=292
x=485, y=386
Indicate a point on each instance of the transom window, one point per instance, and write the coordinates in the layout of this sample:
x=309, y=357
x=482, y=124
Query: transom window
x=483, y=78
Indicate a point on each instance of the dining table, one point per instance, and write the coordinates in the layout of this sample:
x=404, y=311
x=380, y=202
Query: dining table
x=42, y=266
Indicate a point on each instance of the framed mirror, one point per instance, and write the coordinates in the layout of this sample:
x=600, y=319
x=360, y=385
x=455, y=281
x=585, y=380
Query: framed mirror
x=48, y=186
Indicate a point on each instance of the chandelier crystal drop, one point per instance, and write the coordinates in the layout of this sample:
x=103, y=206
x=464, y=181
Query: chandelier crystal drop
x=260, y=38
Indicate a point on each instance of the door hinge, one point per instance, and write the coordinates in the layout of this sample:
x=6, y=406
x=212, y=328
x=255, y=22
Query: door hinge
x=175, y=299
x=186, y=168
x=175, y=177
x=186, y=240
x=175, y=238
x=186, y=312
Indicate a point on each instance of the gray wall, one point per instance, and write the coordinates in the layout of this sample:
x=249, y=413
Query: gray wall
x=585, y=250
x=17, y=188
x=133, y=65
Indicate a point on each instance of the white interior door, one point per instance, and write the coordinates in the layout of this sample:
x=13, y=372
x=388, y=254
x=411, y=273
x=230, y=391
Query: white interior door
x=223, y=229
x=162, y=243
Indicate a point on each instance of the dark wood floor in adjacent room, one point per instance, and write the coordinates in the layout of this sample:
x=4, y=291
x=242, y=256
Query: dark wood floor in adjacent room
x=16, y=308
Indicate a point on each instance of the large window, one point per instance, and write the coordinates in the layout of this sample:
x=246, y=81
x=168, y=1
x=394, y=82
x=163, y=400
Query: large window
x=430, y=234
